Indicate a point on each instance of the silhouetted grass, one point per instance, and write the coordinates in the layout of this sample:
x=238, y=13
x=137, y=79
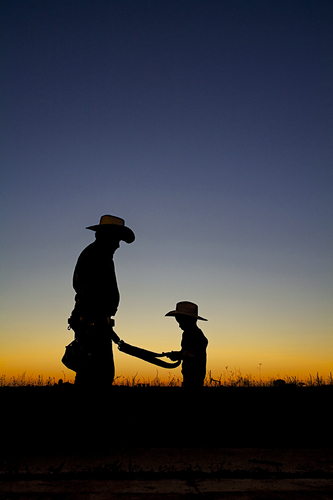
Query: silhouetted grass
x=23, y=381
x=229, y=378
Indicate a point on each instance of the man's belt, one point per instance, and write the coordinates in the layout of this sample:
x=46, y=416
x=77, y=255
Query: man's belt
x=149, y=356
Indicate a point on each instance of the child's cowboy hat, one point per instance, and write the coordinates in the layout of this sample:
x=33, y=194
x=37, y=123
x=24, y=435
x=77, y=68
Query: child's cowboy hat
x=187, y=308
x=117, y=224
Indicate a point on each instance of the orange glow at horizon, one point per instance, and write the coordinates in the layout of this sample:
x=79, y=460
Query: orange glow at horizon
x=38, y=351
x=34, y=364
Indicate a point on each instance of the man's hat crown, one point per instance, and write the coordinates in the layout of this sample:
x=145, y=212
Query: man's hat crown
x=111, y=222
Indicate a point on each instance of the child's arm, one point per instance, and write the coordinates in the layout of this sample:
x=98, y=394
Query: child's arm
x=176, y=355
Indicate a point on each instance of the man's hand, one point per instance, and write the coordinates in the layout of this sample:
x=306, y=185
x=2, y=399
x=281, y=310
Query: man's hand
x=115, y=337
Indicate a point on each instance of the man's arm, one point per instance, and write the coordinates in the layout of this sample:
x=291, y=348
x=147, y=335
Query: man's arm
x=113, y=334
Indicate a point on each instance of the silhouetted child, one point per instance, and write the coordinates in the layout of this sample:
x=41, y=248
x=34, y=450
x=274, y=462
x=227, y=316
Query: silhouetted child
x=193, y=345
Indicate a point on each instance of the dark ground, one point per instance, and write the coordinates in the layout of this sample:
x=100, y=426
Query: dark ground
x=60, y=417
x=157, y=442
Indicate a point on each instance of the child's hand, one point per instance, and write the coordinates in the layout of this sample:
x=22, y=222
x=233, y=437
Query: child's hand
x=173, y=355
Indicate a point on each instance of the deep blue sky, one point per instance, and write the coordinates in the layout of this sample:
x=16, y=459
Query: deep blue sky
x=207, y=126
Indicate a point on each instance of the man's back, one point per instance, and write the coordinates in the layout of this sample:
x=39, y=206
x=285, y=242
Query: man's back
x=95, y=283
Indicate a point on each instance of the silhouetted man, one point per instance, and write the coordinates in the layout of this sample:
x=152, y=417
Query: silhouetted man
x=96, y=300
x=193, y=345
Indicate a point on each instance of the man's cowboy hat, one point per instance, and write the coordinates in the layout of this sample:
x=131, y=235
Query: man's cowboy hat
x=187, y=308
x=117, y=224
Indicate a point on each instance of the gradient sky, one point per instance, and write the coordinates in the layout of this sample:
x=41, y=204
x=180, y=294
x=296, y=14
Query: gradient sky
x=207, y=125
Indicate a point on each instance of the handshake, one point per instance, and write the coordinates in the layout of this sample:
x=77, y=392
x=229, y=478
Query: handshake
x=173, y=355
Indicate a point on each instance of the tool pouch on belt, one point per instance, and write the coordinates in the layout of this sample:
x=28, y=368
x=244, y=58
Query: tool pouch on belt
x=79, y=353
x=93, y=330
x=77, y=356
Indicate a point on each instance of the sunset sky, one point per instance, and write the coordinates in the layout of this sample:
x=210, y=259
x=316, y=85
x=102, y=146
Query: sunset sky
x=207, y=125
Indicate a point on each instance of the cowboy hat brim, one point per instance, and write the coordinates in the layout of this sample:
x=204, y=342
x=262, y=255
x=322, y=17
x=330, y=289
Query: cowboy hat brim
x=125, y=233
x=174, y=313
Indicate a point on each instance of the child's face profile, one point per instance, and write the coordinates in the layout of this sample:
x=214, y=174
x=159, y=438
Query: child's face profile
x=185, y=321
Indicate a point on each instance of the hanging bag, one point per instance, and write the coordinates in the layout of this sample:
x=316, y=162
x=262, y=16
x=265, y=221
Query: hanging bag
x=77, y=356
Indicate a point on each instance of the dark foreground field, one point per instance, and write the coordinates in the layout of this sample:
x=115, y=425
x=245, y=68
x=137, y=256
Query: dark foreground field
x=157, y=442
x=59, y=417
